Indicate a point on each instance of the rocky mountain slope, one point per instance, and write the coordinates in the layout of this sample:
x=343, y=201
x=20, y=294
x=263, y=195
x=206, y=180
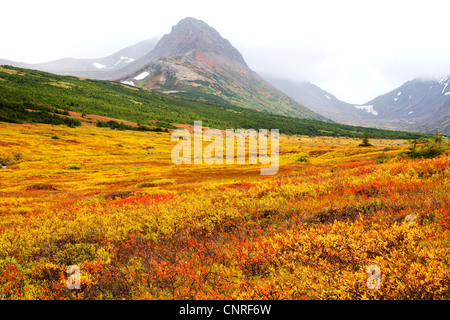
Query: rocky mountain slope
x=419, y=105
x=319, y=100
x=194, y=60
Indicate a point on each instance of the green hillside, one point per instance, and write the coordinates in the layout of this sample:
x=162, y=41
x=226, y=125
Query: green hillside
x=32, y=96
x=201, y=76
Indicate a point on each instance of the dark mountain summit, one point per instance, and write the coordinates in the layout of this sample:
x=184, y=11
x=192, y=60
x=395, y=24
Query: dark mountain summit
x=195, y=61
x=192, y=34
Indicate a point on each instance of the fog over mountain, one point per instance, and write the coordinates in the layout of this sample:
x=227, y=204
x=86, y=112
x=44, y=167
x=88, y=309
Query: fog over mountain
x=95, y=68
x=194, y=60
x=334, y=58
x=419, y=105
x=354, y=49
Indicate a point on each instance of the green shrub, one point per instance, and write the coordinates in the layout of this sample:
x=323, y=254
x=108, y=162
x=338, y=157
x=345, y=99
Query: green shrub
x=427, y=147
x=382, y=158
x=303, y=159
x=42, y=186
x=365, y=141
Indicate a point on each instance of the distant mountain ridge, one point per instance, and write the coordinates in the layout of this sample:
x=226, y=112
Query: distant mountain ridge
x=319, y=100
x=100, y=68
x=195, y=61
x=419, y=105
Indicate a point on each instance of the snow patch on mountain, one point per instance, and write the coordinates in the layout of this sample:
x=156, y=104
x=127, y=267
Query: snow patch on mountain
x=368, y=108
x=99, y=65
x=126, y=59
x=131, y=83
x=143, y=75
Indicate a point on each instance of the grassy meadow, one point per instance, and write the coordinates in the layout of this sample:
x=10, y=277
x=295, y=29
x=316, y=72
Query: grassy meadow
x=140, y=227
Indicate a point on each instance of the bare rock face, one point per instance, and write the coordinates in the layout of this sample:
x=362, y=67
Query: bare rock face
x=192, y=34
x=195, y=61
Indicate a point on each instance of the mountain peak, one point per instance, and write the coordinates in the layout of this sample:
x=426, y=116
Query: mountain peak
x=192, y=34
x=190, y=22
x=195, y=61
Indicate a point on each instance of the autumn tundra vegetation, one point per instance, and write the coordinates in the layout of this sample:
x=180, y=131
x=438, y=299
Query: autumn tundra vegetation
x=140, y=227
x=337, y=221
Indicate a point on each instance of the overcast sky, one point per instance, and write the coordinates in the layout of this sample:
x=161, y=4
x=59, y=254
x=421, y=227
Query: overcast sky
x=356, y=50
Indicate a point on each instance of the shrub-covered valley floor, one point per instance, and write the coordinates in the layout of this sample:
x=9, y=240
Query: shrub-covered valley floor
x=140, y=227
